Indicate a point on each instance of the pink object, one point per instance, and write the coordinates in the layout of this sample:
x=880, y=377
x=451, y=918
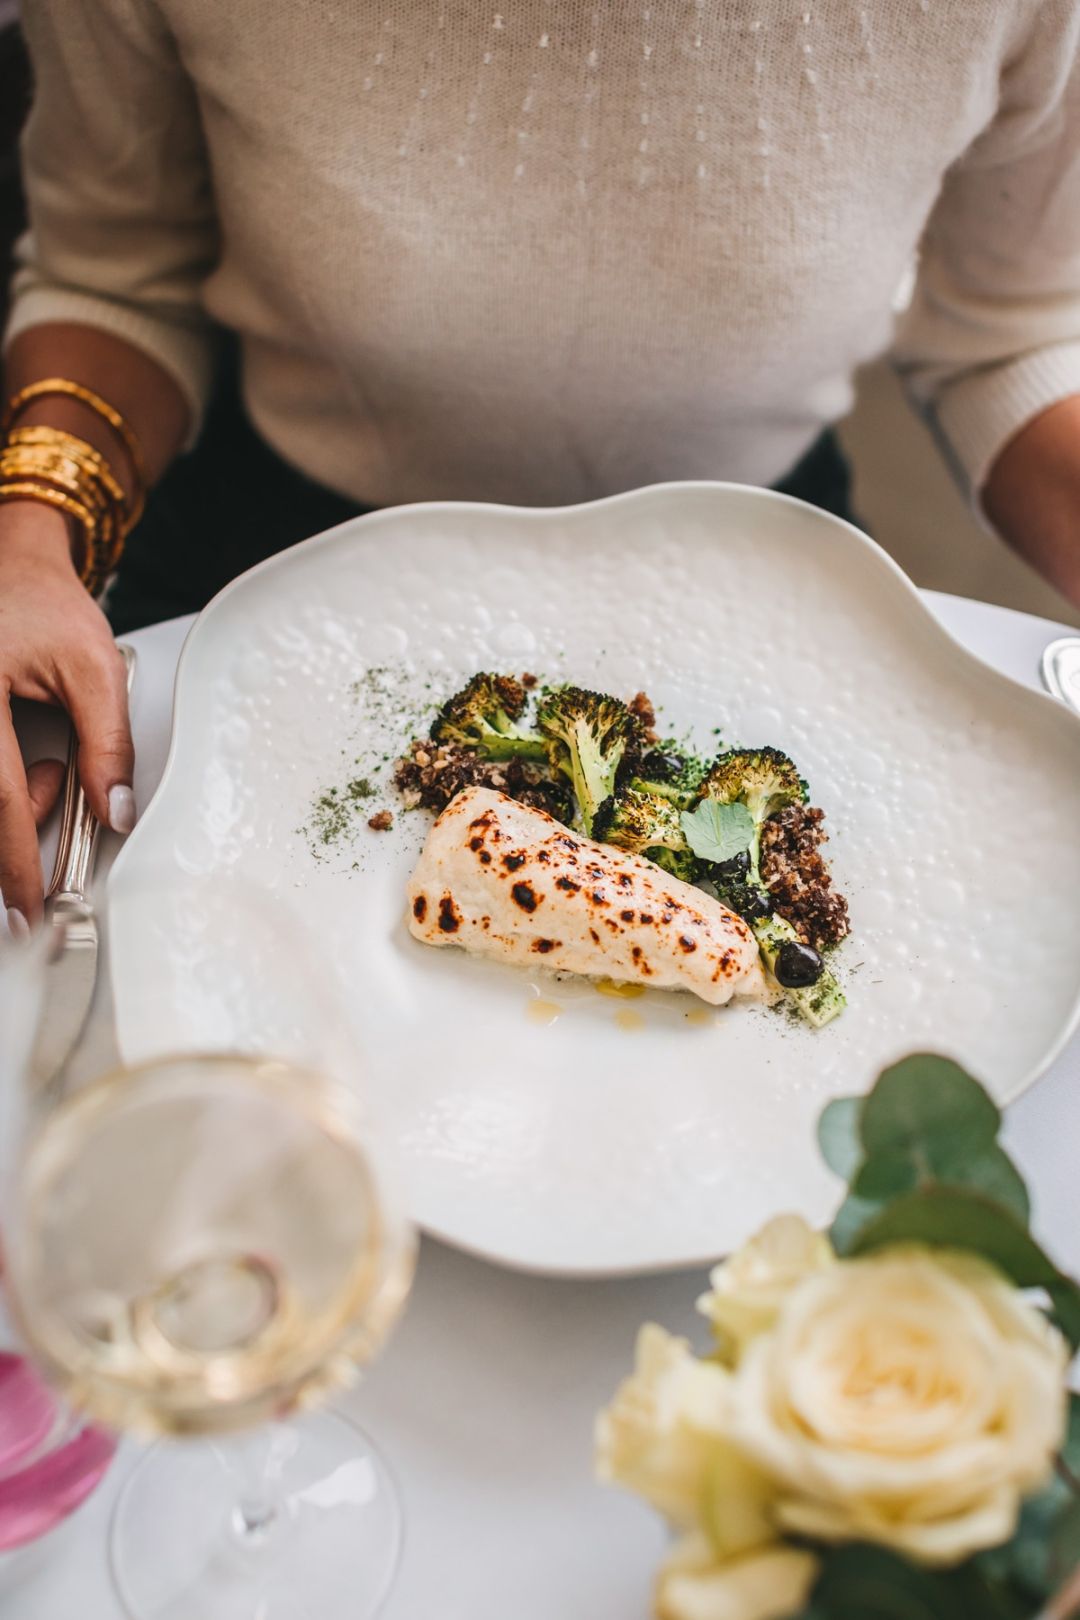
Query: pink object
x=27, y=1412
x=49, y=1464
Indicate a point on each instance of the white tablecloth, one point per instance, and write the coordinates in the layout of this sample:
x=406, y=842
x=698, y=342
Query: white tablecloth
x=484, y=1400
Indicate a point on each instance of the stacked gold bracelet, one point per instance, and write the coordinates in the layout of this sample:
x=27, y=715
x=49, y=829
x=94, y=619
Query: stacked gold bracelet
x=65, y=472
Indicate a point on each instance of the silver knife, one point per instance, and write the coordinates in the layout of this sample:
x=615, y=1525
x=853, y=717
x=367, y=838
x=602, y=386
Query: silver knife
x=72, y=950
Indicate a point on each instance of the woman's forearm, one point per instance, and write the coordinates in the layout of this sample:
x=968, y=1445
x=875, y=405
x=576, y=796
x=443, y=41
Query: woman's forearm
x=55, y=645
x=1032, y=495
x=133, y=383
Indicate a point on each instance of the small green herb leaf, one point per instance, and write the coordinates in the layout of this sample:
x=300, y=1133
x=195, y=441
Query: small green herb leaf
x=718, y=832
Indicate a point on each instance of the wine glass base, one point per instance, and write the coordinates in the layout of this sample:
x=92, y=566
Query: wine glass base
x=297, y=1521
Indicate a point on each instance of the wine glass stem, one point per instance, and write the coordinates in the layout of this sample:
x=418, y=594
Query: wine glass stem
x=256, y=1462
x=254, y=1518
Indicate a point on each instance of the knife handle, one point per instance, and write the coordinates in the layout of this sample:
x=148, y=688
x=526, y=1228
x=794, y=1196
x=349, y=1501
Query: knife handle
x=80, y=829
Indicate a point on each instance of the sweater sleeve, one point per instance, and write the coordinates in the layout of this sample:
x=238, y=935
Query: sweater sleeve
x=992, y=336
x=122, y=224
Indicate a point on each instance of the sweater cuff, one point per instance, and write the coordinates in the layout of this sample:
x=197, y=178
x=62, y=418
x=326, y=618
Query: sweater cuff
x=185, y=352
x=979, y=413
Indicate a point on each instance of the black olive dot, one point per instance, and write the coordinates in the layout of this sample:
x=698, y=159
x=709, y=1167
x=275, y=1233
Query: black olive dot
x=661, y=767
x=756, y=905
x=798, y=965
x=738, y=866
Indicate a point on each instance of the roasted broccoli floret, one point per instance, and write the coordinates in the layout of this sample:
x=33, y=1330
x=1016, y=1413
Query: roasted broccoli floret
x=484, y=715
x=669, y=773
x=681, y=798
x=645, y=823
x=765, y=780
x=588, y=734
x=636, y=818
x=681, y=863
x=762, y=779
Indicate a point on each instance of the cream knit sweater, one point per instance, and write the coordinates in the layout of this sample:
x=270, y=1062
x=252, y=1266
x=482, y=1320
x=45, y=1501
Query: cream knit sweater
x=555, y=250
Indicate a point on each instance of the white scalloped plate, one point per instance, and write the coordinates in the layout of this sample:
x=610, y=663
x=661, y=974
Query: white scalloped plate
x=631, y=1136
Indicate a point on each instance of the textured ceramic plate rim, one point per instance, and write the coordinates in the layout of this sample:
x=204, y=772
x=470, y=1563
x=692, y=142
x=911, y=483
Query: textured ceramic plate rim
x=905, y=590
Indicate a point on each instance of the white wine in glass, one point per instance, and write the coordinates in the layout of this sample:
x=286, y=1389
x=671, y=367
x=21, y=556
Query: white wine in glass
x=202, y=1240
x=201, y=1245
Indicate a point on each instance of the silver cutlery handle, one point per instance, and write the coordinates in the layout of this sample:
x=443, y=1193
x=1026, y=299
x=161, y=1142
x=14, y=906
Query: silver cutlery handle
x=80, y=829
x=1061, y=670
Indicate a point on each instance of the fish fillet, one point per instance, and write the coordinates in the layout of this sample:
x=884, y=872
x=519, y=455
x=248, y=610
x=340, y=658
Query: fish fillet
x=508, y=881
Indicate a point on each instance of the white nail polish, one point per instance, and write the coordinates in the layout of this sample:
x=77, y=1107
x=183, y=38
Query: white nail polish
x=121, y=809
x=18, y=927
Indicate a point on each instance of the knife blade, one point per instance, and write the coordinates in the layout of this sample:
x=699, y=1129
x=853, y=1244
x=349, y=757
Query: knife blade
x=71, y=926
x=70, y=977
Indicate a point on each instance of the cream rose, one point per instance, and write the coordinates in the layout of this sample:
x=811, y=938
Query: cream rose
x=764, y=1585
x=911, y=1399
x=659, y=1437
x=748, y=1290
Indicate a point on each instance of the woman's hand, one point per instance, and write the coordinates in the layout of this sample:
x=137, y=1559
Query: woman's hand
x=55, y=647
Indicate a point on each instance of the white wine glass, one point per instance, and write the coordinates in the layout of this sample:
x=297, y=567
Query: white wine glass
x=203, y=1237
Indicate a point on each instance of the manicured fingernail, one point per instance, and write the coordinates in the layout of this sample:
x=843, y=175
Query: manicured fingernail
x=18, y=927
x=121, y=809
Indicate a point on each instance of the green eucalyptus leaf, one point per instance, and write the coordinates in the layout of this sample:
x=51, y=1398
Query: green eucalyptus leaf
x=956, y=1218
x=926, y=1097
x=1070, y=1450
x=860, y=1582
x=1024, y=1560
x=718, y=832
x=1044, y=1546
x=849, y=1220
x=886, y=1175
x=838, y=1136
x=979, y=1594
x=1065, y=1542
x=1065, y=1308
x=988, y=1169
x=1046, y=1529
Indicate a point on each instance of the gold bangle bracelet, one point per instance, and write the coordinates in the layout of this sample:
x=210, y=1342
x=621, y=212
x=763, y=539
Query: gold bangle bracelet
x=48, y=387
x=61, y=470
x=68, y=477
x=77, y=472
x=70, y=466
x=73, y=451
x=97, y=557
x=97, y=510
x=55, y=498
x=81, y=486
x=67, y=444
